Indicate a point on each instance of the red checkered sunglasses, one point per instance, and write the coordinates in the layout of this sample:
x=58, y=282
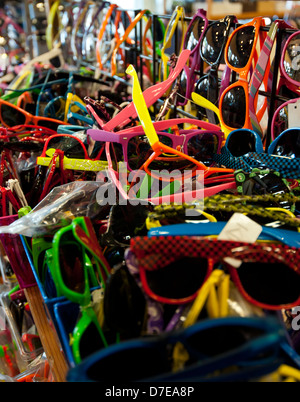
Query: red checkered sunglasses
x=174, y=268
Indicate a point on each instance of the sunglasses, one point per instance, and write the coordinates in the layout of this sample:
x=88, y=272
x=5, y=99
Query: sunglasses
x=152, y=40
x=212, y=48
x=11, y=115
x=210, y=345
x=157, y=146
x=75, y=154
x=91, y=29
x=257, y=279
x=177, y=19
x=278, y=27
x=240, y=53
x=124, y=304
x=73, y=245
x=247, y=152
x=134, y=148
x=284, y=236
x=192, y=40
x=127, y=32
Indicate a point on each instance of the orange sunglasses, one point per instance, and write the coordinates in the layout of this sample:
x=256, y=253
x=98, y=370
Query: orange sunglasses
x=241, y=55
x=11, y=115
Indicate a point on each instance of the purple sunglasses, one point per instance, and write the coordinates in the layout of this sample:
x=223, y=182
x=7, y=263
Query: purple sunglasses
x=192, y=41
x=134, y=148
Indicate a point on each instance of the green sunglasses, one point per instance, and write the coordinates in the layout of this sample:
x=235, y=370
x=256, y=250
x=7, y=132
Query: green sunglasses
x=74, y=248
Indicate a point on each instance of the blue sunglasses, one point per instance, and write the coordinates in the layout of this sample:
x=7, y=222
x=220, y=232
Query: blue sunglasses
x=212, y=344
x=244, y=150
x=288, y=237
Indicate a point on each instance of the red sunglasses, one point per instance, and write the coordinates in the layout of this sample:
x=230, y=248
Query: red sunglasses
x=174, y=268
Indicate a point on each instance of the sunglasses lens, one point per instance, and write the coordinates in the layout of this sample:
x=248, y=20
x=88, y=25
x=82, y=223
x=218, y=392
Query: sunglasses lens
x=138, y=151
x=11, y=116
x=70, y=145
x=202, y=147
x=124, y=304
x=49, y=124
x=90, y=341
x=71, y=263
x=213, y=42
x=241, y=142
x=288, y=145
x=194, y=34
x=270, y=283
x=127, y=221
x=170, y=282
x=159, y=31
x=291, y=61
x=240, y=47
x=208, y=87
x=233, y=107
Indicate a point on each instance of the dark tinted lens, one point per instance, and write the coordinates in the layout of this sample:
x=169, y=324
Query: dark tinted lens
x=194, y=34
x=71, y=263
x=11, y=116
x=292, y=59
x=71, y=146
x=138, y=151
x=166, y=165
x=240, y=47
x=288, y=145
x=233, y=107
x=90, y=341
x=159, y=31
x=183, y=84
x=203, y=146
x=48, y=124
x=127, y=221
x=213, y=42
x=179, y=279
x=240, y=143
x=208, y=87
x=273, y=283
x=124, y=304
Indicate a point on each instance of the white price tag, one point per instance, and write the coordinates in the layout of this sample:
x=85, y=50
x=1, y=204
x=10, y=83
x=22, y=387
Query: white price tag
x=240, y=228
x=294, y=114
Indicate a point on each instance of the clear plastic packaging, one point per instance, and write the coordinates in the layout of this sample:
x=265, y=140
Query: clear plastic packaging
x=58, y=208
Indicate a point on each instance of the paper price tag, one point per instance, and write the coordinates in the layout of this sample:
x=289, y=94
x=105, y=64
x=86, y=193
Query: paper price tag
x=294, y=114
x=240, y=228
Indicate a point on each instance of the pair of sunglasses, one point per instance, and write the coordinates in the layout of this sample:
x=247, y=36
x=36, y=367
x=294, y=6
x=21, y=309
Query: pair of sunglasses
x=11, y=115
x=211, y=345
x=74, y=246
x=244, y=149
x=192, y=42
x=266, y=277
x=176, y=20
x=212, y=46
x=240, y=54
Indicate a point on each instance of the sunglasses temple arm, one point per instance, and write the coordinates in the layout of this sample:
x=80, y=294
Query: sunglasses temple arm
x=142, y=110
x=151, y=94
